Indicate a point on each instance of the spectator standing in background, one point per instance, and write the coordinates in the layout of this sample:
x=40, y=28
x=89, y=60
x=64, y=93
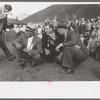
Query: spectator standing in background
x=89, y=26
x=92, y=44
x=76, y=26
x=82, y=27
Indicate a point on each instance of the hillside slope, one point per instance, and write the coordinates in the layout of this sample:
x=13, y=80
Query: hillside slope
x=86, y=11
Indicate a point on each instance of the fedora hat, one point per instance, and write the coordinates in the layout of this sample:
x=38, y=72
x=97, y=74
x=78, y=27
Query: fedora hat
x=98, y=24
x=31, y=27
x=98, y=17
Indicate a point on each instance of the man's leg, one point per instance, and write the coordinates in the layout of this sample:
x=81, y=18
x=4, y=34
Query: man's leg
x=24, y=58
x=5, y=50
x=36, y=60
x=70, y=55
x=16, y=53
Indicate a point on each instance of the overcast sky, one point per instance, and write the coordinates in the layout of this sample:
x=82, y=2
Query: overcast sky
x=30, y=7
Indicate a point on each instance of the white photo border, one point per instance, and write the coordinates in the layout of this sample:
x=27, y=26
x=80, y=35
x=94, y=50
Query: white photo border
x=69, y=89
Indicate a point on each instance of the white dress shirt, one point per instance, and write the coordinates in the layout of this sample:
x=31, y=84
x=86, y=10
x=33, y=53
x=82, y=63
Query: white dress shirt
x=29, y=43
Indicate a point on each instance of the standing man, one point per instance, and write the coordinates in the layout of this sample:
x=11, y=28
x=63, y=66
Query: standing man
x=82, y=27
x=3, y=24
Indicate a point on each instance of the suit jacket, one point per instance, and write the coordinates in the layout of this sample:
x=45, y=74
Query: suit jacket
x=47, y=40
x=48, y=43
x=36, y=43
x=73, y=39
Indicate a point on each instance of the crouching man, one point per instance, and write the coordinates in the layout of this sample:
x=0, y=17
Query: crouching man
x=27, y=46
x=73, y=50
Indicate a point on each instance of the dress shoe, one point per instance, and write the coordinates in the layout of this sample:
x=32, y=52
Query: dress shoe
x=58, y=61
x=38, y=62
x=32, y=63
x=22, y=65
x=68, y=70
x=11, y=58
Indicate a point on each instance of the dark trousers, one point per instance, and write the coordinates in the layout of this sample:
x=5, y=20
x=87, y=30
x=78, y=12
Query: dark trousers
x=20, y=54
x=72, y=55
x=50, y=58
x=4, y=48
x=98, y=53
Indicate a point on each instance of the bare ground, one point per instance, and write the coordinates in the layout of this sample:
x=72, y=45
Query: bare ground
x=9, y=71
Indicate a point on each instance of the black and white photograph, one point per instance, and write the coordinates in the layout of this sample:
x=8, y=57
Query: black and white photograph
x=49, y=49
x=49, y=41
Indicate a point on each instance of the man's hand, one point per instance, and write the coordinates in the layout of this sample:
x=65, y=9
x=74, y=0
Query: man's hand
x=47, y=52
x=77, y=46
x=58, y=47
x=26, y=50
x=18, y=45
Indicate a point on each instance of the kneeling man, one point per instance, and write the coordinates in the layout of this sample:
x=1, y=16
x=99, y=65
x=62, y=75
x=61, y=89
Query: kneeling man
x=28, y=46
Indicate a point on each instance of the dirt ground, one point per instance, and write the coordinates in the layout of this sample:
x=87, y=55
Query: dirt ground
x=9, y=71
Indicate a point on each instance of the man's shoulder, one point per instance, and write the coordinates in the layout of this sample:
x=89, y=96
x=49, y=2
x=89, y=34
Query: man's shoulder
x=37, y=38
x=71, y=32
x=23, y=35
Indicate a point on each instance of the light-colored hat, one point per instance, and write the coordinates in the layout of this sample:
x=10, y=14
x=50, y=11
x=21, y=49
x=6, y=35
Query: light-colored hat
x=93, y=19
x=98, y=17
x=98, y=24
x=82, y=18
x=31, y=26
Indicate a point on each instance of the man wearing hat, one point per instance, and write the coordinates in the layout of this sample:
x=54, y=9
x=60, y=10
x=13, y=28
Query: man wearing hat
x=3, y=24
x=74, y=51
x=27, y=46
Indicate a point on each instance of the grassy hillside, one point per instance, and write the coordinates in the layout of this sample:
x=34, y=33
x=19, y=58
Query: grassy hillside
x=86, y=11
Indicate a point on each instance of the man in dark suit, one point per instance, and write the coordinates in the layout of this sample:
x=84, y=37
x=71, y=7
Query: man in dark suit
x=73, y=50
x=3, y=24
x=28, y=46
x=49, y=42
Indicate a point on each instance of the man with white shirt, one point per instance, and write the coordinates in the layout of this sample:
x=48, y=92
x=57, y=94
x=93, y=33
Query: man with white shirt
x=28, y=46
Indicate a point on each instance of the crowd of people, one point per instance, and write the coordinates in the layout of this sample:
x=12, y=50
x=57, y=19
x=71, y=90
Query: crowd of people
x=67, y=43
